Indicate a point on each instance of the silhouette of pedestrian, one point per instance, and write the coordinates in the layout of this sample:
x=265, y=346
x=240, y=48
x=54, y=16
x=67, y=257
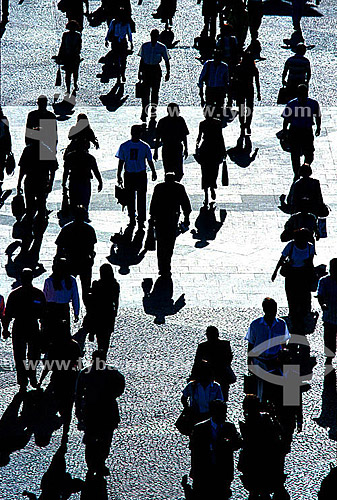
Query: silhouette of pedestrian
x=119, y=33
x=5, y=146
x=42, y=125
x=69, y=55
x=171, y=133
x=151, y=54
x=97, y=389
x=327, y=298
x=26, y=305
x=213, y=442
x=297, y=71
x=299, y=115
x=80, y=134
x=219, y=355
x=76, y=242
x=133, y=155
x=210, y=153
x=215, y=76
x=168, y=199
x=102, y=307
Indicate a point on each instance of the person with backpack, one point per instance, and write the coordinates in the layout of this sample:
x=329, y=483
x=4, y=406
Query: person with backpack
x=69, y=53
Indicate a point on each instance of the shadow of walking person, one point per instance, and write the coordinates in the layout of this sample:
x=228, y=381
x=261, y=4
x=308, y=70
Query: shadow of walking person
x=127, y=249
x=158, y=301
x=328, y=416
x=56, y=482
x=207, y=225
x=241, y=153
x=14, y=434
x=115, y=98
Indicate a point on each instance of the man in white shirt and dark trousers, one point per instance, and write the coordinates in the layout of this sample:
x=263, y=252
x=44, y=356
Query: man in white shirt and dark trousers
x=150, y=73
x=214, y=75
x=133, y=155
x=266, y=339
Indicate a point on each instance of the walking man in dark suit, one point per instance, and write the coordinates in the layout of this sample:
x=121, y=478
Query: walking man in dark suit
x=167, y=200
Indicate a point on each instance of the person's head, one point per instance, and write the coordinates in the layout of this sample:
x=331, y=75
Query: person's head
x=173, y=109
x=217, y=56
x=333, y=268
x=302, y=91
x=251, y=406
x=212, y=333
x=42, y=102
x=218, y=411
x=73, y=25
x=98, y=358
x=106, y=272
x=269, y=307
x=82, y=118
x=136, y=132
x=300, y=49
x=27, y=277
x=301, y=237
x=154, y=35
x=60, y=267
x=204, y=372
x=305, y=170
x=170, y=177
x=80, y=213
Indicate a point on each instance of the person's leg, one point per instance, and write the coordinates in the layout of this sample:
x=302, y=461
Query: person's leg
x=75, y=76
x=103, y=340
x=249, y=110
x=330, y=332
x=141, y=197
x=166, y=236
x=308, y=147
x=19, y=353
x=68, y=80
x=295, y=143
x=240, y=101
x=85, y=277
x=146, y=92
x=33, y=355
x=129, y=184
x=156, y=78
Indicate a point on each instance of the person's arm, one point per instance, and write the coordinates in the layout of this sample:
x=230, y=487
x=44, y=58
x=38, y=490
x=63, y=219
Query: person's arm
x=21, y=176
x=110, y=29
x=185, y=206
x=318, y=119
x=308, y=74
x=284, y=74
x=168, y=69
x=7, y=317
x=201, y=82
x=97, y=174
x=66, y=171
x=185, y=147
x=184, y=401
x=153, y=170
x=119, y=172
x=157, y=143
x=75, y=299
x=257, y=83
x=278, y=265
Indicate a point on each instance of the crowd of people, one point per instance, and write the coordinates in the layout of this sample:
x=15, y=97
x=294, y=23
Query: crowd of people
x=40, y=321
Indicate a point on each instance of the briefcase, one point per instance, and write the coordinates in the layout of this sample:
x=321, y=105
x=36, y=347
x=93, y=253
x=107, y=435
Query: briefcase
x=140, y=89
x=283, y=96
x=121, y=196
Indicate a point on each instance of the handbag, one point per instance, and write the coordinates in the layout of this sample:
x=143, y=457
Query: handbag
x=283, y=96
x=140, y=89
x=18, y=206
x=150, y=242
x=229, y=375
x=284, y=140
x=58, y=81
x=10, y=164
x=121, y=195
x=186, y=421
x=322, y=232
x=286, y=267
x=224, y=176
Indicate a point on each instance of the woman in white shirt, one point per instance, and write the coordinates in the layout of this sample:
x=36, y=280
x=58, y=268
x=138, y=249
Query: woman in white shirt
x=60, y=289
x=296, y=264
x=119, y=33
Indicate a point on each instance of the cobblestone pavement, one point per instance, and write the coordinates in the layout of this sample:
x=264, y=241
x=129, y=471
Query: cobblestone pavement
x=223, y=282
x=36, y=27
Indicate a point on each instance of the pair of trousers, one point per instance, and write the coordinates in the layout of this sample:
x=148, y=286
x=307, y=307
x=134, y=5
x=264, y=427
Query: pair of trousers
x=136, y=185
x=25, y=348
x=301, y=141
x=166, y=233
x=330, y=339
x=173, y=160
x=151, y=74
x=215, y=98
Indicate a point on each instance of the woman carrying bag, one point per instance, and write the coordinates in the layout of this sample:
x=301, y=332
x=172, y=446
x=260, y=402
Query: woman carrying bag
x=119, y=33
